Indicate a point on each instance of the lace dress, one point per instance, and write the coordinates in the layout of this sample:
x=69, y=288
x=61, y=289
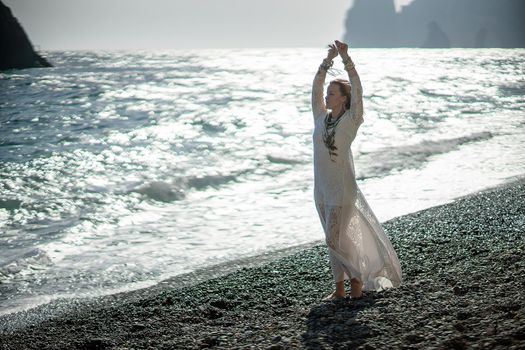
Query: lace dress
x=358, y=246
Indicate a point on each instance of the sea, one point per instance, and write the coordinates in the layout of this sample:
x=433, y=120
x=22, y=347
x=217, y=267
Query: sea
x=120, y=169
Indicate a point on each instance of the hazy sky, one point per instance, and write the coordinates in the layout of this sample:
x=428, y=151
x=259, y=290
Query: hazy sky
x=177, y=24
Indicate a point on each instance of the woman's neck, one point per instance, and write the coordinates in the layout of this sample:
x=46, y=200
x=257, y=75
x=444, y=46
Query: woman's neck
x=337, y=112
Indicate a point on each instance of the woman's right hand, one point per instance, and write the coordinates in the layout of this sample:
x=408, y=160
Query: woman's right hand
x=342, y=49
x=332, y=52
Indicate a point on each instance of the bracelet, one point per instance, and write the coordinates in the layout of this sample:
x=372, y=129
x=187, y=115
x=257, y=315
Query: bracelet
x=326, y=65
x=348, y=64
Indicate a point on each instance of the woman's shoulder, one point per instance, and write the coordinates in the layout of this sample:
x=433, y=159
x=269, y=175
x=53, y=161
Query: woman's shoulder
x=321, y=115
x=347, y=115
x=351, y=122
x=356, y=117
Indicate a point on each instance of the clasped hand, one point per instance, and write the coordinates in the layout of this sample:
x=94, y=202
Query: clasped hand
x=339, y=48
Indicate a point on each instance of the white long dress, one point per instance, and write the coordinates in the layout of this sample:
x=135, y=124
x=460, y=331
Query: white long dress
x=358, y=246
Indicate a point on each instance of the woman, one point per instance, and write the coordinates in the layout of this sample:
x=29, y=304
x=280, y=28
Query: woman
x=358, y=248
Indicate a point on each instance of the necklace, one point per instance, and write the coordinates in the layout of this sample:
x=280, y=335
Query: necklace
x=329, y=134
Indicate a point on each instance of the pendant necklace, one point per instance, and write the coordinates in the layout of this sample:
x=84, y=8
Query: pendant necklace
x=329, y=134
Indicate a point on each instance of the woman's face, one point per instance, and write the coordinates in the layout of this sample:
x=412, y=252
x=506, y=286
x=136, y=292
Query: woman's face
x=334, y=98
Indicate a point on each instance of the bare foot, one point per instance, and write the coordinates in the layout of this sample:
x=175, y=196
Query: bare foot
x=356, y=291
x=334, y=296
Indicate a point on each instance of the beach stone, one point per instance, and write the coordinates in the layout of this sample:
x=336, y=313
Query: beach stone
x=276, y=339
x=221, y=304
x=367, y=347
x=414, y=338
x=168, y=301
x=459, y=290
x=209, y=341
x=456, y=344
x=503, y=341
x=459, y=326
x=463, y=315
x=519, y=333
x=137, y=327
x=95, y=344
x=276, y=347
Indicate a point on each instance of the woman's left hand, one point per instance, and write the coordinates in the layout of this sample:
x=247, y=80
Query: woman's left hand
x=342, y=48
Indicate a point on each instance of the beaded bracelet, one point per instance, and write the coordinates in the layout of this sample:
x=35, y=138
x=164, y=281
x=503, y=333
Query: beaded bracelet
x=326, y=65
x=348, y=64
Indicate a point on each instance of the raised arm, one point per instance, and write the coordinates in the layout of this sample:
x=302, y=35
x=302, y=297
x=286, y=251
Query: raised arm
x=318, y=105
x=356, y=103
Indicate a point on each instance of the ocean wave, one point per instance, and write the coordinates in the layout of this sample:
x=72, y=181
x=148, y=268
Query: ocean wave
x=512, y=90
x=211, y=127
x=283, y=160
x=161, y=191
x=215, y=180
x=431, y=93
x=171, y=191
x=383, y=161
x=17, y=262
x=10, y=204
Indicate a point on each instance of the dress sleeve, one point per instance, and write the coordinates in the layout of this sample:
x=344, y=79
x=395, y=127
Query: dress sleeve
x=356, y=103
x=318, y=106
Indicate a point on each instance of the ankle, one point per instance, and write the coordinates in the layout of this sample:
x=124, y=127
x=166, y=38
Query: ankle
x=356, y=281
x=340, y=288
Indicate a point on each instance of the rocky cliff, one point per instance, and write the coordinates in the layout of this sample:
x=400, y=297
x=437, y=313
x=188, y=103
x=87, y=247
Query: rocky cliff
x=437, y=23
x=16, y=50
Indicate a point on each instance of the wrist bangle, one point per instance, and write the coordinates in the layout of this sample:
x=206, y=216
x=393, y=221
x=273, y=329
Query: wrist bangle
x=349, y=64
x=327, y=64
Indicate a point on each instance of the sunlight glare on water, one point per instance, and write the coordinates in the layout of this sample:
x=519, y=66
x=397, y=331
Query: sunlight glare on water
x=120, y=169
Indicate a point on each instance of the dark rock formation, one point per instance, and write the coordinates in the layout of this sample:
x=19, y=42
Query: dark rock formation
x=16, y=50
x=436, y=37
x=467, y=23
x=481, y=38
x=375, y=21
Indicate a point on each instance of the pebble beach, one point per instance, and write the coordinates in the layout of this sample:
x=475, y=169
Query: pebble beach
x=464, y=277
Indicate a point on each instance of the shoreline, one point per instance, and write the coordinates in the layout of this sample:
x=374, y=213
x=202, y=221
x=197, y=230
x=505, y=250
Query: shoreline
x=23, y=318
x=275, y=300
x=223, y=268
